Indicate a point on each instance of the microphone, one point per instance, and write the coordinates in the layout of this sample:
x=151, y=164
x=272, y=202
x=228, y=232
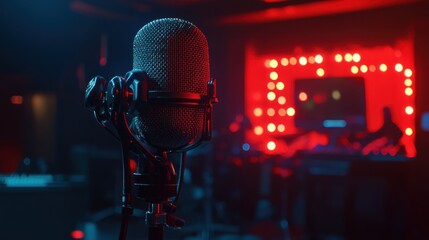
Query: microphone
x=174, y=55
x=168, y=99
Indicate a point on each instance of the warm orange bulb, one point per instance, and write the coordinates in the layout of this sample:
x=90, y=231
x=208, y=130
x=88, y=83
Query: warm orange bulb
x=282, y=112
x=284, y=62
x=281, y=128
x=271, y=86
x=302, y=96
x=292, y=61
x=271, y=112
x=257, y=112
x=281, y=100
x=258, y=130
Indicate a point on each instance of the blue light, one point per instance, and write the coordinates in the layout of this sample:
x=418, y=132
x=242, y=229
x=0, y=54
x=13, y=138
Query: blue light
x=334, y=123
x=245, y=147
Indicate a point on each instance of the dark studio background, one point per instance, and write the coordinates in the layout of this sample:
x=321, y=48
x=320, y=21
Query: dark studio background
x=50, y=50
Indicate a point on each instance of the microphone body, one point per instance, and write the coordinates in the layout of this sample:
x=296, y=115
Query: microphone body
x=175, y=57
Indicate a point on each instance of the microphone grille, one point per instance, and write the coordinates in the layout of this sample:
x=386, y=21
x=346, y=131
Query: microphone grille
x=174, y=54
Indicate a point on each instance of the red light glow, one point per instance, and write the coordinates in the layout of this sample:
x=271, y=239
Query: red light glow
x=271, y=104
x=16, y=100
x=77, y=234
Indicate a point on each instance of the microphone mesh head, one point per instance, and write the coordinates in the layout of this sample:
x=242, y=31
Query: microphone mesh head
x=174, y=54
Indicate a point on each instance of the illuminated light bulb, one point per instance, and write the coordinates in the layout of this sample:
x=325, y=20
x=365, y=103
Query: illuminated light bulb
x=267, y=63
x=408, y=82
x=356, y=57
x=318, y=58
x=281, y=128
x=284, y=62
x=271, y=96
x=399, y=67
x=348, y=57
x=281, y=100
x=257, y=112
x=372, y=68
x=408, y=72
x=336, y=95
x=320, y=72
x=364, y=68
x=383, y=67
x=302, y=96
x=271, y=112
x=280, y=85
x=338, y=58
x=408, y=91
x=258, y=130
x=271, y=86
x=271, y=145
x=271, y=127
x=274, y=76
x=273, y=63
x=409, y=131
x=303, y=61
x=409, y=110
x=354, y=69
x=292, y=61
x=17, y=100
x=282, y=112
x=290, y=111
x=311, y=60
